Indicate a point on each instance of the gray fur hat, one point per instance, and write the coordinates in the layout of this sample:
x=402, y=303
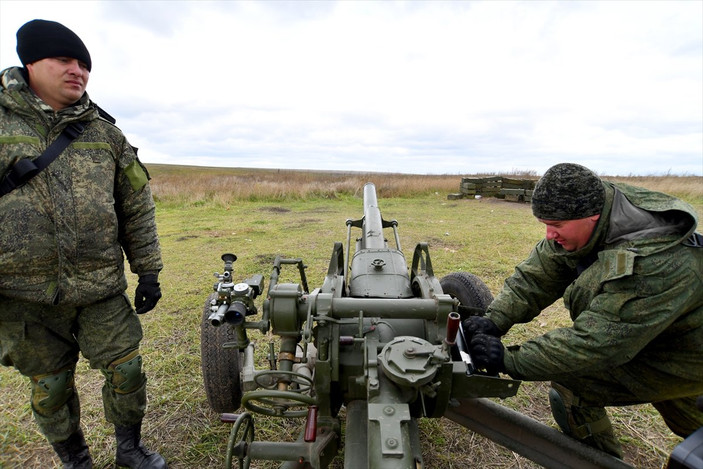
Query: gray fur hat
x=568, y=191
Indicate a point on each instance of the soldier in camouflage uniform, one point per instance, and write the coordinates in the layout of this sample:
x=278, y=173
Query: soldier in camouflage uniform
x=64, y=232
x=629, y=267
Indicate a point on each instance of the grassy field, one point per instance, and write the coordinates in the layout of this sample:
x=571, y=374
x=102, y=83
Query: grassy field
x=257, y=214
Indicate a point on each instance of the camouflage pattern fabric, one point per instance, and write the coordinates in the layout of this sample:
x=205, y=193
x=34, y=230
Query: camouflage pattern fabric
x=63, y=242
x=38, y=340
x=65, y=231
x=635, y=295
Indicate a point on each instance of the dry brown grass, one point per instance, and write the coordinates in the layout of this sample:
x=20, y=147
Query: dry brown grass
x=686, y=187
x=224, y=185
x=194, y=185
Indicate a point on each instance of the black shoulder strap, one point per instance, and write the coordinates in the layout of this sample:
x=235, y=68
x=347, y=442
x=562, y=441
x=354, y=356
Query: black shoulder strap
x=694, y=241
x=25, y=169
x=103, y=113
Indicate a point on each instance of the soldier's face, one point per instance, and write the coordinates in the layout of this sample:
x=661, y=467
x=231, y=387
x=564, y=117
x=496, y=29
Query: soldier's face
x=58, y=81
x=572, y=235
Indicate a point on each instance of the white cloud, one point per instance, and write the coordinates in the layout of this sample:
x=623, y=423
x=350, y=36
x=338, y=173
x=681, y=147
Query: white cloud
x=440, y=87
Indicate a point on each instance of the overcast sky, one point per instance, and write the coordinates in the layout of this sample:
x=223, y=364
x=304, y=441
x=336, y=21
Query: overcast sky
x=414, y=87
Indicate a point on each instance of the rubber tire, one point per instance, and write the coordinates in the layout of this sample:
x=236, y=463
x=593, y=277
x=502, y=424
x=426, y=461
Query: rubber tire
x=468, y=289
x=220, y=366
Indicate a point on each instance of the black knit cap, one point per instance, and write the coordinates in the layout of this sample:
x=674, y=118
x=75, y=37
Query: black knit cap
x=568, y=191
x=40, y=39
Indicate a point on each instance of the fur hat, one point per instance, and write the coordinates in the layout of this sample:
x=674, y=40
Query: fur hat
x=568, y=191
x=40, y=39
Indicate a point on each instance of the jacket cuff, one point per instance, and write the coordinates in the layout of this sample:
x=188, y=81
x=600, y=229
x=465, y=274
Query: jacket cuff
x=510, y=361
x=152, y=275
x=500, y=320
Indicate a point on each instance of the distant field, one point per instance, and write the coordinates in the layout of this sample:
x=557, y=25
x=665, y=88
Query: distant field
x=257, y=214
x=194, y=184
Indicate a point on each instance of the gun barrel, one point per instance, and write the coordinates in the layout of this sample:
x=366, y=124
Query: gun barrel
x=373, y=222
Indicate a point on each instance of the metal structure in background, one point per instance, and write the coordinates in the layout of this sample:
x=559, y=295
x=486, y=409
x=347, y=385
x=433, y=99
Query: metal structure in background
x=382, y=340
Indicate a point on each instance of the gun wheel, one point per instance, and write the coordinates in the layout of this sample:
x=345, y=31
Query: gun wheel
x=274, y=403
x=241, y=436
x=220, y=365
x=468, y=289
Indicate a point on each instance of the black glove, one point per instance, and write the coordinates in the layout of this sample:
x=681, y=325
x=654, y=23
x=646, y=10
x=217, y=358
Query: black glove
x=487, y=353
x=480, y=325
x=147, y=294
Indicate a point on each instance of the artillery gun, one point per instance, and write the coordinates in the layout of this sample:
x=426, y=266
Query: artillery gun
x=381, y=340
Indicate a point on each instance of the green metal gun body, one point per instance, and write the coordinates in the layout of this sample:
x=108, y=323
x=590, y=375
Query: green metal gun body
x=377, y=338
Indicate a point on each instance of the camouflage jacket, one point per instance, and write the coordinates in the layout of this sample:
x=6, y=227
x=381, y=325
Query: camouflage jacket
x=65, y=233
x=634, y=292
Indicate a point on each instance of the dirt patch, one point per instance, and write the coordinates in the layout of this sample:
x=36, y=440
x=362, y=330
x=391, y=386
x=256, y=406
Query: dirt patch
x=274, y=209
x=506, y=203
x=443, y=244
x=264, y=260
x=490, y=201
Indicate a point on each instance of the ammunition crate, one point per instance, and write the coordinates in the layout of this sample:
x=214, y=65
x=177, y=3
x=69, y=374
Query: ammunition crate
x=519, y=190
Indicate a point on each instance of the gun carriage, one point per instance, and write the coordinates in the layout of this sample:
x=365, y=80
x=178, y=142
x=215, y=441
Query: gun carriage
x=381, y=340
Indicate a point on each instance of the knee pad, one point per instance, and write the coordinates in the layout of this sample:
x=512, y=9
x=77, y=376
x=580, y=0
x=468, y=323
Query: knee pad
x=52, y=390
x=124, y=375
x=565, y=404
x=560, y=411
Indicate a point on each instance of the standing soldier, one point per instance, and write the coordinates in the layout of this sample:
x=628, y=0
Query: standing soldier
x=66, y=219
x=629, y=266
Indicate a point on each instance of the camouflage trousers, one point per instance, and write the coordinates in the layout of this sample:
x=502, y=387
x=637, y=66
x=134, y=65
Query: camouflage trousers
x=45, y=341
x=674, y=399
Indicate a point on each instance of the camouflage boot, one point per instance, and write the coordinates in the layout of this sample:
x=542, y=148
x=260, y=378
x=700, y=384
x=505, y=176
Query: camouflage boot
x=590, y=425
x=131, y=453
x=74, y=453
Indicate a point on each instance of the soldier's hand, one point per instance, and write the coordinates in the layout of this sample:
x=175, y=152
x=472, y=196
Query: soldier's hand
x=487, y=353
x=480, y=325
x=148, y=293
